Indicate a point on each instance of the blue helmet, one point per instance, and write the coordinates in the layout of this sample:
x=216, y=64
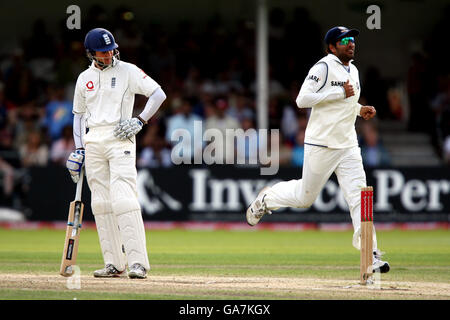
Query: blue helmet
x=102, y=40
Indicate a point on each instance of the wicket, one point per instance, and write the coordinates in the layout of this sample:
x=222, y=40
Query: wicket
x=366, y=234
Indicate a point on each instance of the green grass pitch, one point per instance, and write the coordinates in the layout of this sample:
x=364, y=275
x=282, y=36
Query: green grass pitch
x=181, y=260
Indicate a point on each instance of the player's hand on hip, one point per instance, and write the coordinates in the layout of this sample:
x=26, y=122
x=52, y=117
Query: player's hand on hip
x=367, y=112
x=74, y=164
x=348, y=88
x=128, y=128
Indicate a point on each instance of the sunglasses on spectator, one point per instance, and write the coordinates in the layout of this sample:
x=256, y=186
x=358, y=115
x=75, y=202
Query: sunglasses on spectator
x=345, y=41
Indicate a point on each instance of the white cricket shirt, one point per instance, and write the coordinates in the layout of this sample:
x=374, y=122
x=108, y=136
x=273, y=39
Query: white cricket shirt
x=332, y=120
x=107, y=96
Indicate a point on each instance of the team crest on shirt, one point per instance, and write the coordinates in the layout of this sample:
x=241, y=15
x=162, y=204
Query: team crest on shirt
x=90, y=86
x=113, y=82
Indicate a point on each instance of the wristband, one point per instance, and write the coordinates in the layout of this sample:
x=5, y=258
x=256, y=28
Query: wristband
x=142, y=120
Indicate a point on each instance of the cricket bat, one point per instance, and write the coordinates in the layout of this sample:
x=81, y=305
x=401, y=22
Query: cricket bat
x=366, y=234
x=69, y=257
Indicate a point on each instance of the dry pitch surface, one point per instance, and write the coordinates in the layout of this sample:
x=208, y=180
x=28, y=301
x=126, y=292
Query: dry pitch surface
x=231, y=287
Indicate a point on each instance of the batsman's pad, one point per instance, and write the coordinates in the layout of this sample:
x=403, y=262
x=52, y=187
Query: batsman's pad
x=132, y=231
x=109, y=236
x=125, y=205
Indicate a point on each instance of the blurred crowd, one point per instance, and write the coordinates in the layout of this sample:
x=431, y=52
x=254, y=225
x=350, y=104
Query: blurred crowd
x=208, y=73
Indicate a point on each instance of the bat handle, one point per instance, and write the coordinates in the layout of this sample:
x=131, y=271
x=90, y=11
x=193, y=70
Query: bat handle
x=79, y=186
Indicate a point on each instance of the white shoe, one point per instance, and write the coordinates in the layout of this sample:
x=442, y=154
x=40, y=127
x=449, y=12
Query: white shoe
x=378, y=264
x=137, y=271
x=257, y=208
x=109, y=272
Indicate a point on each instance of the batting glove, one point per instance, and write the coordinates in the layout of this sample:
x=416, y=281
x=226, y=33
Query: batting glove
x=128, y=128
x=74, y=164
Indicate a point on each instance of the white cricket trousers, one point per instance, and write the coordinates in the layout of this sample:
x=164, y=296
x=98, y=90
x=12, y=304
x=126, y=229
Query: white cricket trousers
x=111, y=175
x=318, y=165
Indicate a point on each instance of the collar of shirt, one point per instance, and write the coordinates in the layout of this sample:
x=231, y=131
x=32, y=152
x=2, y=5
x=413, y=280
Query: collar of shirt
x=93, y=67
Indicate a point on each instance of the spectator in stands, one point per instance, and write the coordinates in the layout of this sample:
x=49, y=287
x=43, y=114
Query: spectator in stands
x=200, y=65
x=58, y=112
x=8, y=157
x=40, y=53
x=224, y=84
x=191, y=84
x=184, y=119
x=302, y=119
x=28, y=119
x=299, y=149
x=155, y=153
x=373, y=151
x=289, y=123
x=276, y=88
x=441, y=109
x=7, y=178
x=284, y=149
x=247, y=147
x=204, y=104
x=8, y=152
x=63, y=147
x=275, y=113
x=239, y=107
x=20, y=85
x=15, y=181
x=221, y=121
x=34, y=152
x=396, y=103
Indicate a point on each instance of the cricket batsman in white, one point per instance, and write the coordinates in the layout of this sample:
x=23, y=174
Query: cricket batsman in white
x=332, y=90
x=103, y=107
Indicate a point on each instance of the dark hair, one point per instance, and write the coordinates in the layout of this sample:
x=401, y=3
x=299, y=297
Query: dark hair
x=327, y=49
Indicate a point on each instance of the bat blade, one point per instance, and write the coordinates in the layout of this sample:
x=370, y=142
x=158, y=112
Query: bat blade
x=70, y=251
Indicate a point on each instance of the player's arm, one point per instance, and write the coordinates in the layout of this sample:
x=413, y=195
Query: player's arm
x=79, y=129
x=130, y=127
x=152, y=105
x=310, y=93
x=76, y=159
x=141, y=83
x=79, y=111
